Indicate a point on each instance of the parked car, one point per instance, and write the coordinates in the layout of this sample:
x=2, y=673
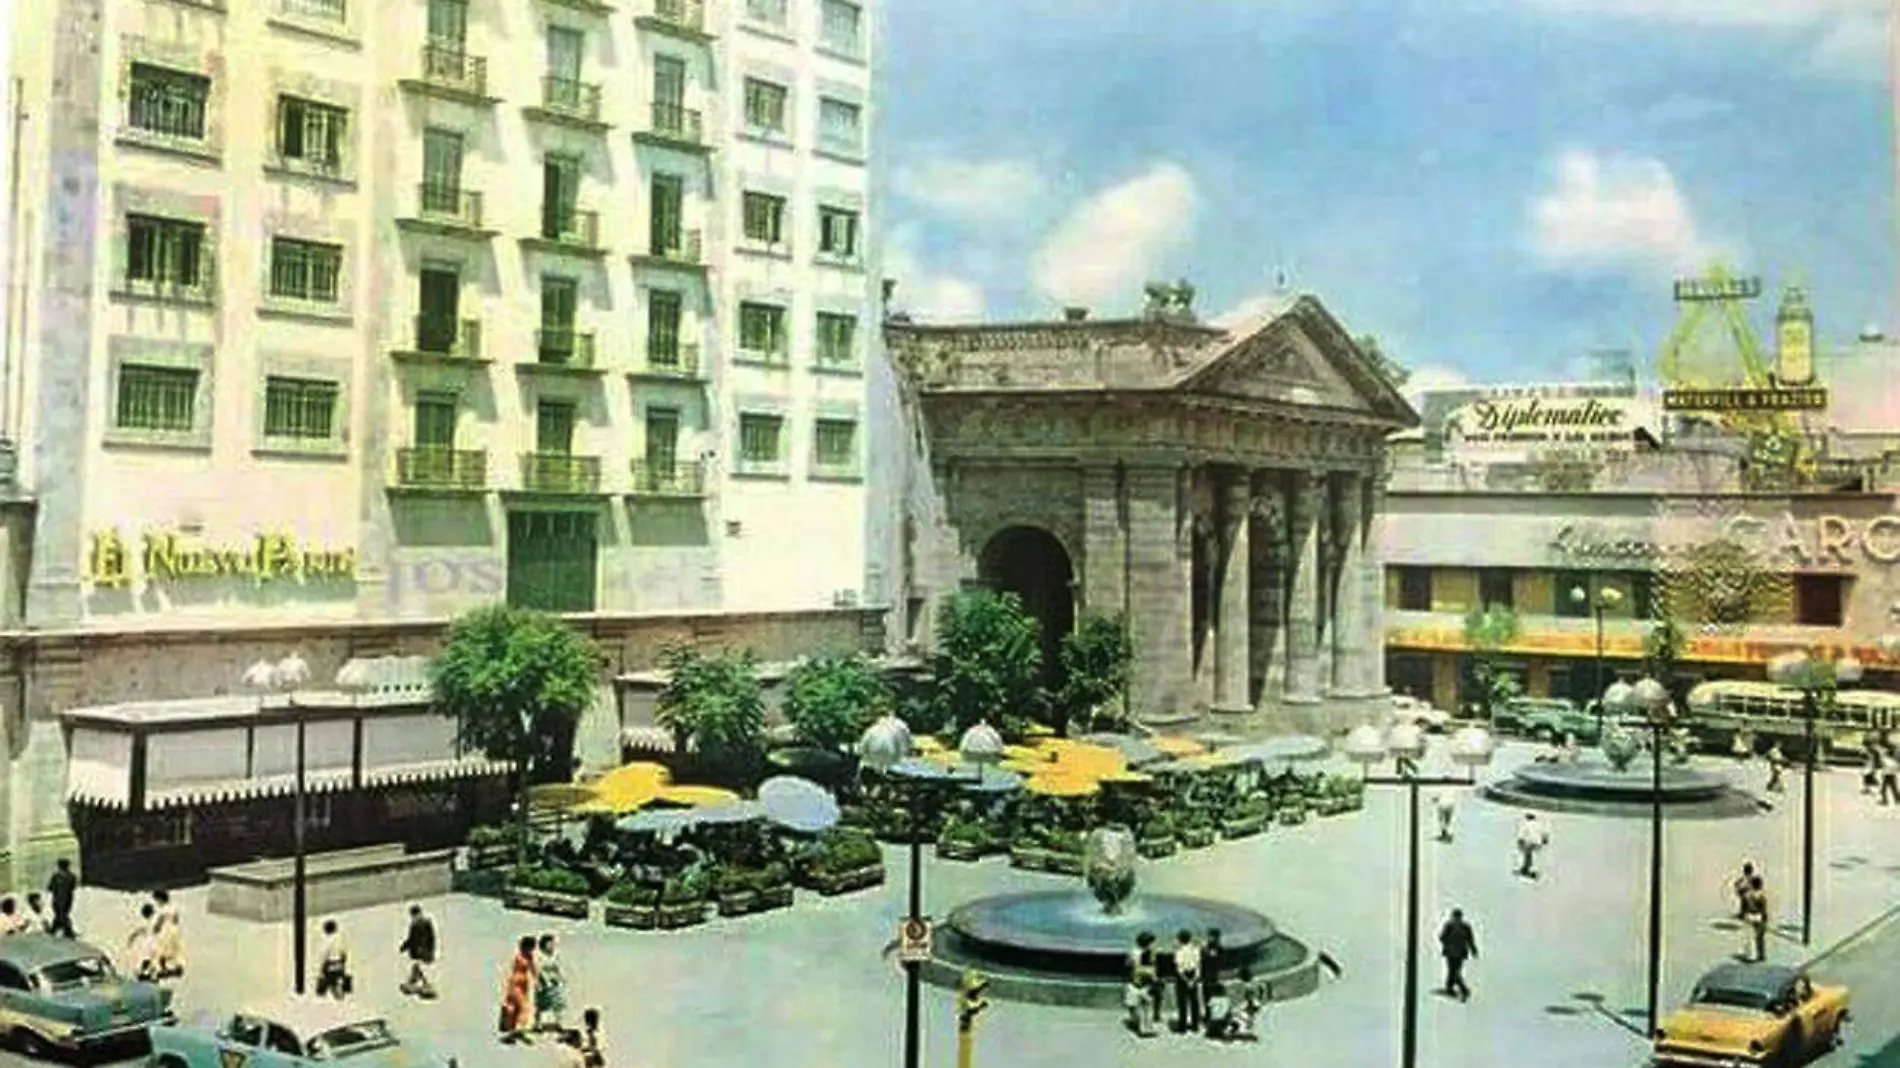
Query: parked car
x=1423, y=714
x=292, y=1033
x=1753, y=1014
x=61, y=994
x=1547, y=719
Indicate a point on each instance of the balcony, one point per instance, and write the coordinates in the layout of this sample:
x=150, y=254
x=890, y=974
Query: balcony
x=675, y=126
x=447, y=211
x=563, y=349
x=451, y=73
x=572, y=232
x=559, y=473
x=668, y=478
x=567, y=102
x=444, y=339
x=441, y=469
x=680, y=18
x=679, y=364
x=684, y=249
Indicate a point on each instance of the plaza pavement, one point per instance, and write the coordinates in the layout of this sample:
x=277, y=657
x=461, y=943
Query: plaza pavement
x=807, y=988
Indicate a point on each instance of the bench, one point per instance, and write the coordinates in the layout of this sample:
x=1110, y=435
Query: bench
x=338, y=881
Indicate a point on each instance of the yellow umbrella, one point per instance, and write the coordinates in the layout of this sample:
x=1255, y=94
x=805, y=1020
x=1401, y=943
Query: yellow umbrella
x=925, y=744
x=1061, y=786
x=1027, y=754
x=1027, y=767
x=1127, y=777
x=626, y=788
x=698, y=796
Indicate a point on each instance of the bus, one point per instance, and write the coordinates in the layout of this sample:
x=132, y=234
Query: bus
x=1735, y=715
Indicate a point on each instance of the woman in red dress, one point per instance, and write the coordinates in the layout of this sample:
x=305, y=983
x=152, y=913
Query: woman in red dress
x=517, y=999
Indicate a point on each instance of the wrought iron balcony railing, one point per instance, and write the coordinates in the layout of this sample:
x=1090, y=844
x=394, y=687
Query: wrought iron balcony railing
x=559, y=472
x=676, y=122
x=447, y=65
x=442, y=467
x=573, y=226
x=564, y=347
x=668, y=478
x=686, y=14
x=573, y=99
x=446, y=203
x=678, y=360
x=680, y=246
x=446, y=335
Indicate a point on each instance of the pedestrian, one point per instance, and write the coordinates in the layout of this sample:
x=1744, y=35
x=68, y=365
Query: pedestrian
x=142, y=947
x=1142, y=997
x=1221, y=1025
x=333, y=964
x=1756, y=916
x=517, y=997
x=1890, y=780
x=1776, y=762
x=550, y=987
x=419, y=946
x=62, y=888
x=1740, y=889
x=1459, y=943
x=1870, y=777
x=1213, y=959
x=12, y=920
x=169, y=936
x=37, y=921
x=1444, y=805
x=1187, y=983
x=593, y=1052
x=1531, y=840
x=1249, y=997
x=568, y=1053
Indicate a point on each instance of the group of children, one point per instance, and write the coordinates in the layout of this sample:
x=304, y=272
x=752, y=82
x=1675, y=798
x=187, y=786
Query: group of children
x=155, y=948
x=1222, y=1010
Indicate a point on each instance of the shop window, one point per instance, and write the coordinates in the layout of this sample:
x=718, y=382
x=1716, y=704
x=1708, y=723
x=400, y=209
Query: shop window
x=1494, y=588
x=1819, y=600
x=1568, y=604
x=1642, y=594
x=1415, y=589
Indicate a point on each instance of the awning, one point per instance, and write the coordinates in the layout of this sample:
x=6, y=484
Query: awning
x=224, y=791
x=435, y=771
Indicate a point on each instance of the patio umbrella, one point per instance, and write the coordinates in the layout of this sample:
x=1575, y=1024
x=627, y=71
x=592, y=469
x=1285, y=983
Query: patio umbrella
x=1291, y=747
x=798, y=804
x=1136, y=751
x=626, y=788
x=924, y=770
x=661, y=821
x=994, y=781
x=737, y=812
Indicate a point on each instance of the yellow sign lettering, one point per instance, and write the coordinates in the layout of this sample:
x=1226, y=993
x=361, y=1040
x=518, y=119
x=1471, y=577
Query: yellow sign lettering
x=168, y=557
x=1881, y=540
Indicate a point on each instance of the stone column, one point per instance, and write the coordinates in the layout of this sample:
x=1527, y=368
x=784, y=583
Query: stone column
x=1302, y=622
x=1104, y=542
x=1348, y=624
x=1329, y=534
x=1232, y=665
x=1157, y=592
x=1372, y=589
x=1266, y=577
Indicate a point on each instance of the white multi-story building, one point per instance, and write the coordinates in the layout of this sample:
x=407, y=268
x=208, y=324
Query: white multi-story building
x=339, y=309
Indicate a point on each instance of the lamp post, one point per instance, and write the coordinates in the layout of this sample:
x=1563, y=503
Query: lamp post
x=284, y=677
x=1405, y=744
x=1600, y=599
x=886, y=744
x=1649, y=698
x=1818, y=681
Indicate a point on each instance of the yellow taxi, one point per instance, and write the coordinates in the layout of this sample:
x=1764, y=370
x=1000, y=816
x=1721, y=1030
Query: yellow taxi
x=1750, y=1015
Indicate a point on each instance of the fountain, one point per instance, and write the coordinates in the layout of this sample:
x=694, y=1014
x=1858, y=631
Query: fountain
x=1070, y=947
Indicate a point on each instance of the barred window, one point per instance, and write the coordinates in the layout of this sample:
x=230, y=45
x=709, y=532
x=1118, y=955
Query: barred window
x=168, y=102
x=835, y=443
x=554, y=428
x=662, y=439
x=760, y=438
x=762, y=328
x=764, y=218
x=157, y=398
x=837, y=339
x=435, y=420
x=765, y=105
x=770, y=12
x=309, y=132
x=299, y=409
x=164, y=252
x=840, y=125
x=838, y=233
x=663, y=326
x=305, y=270
x=840, y=27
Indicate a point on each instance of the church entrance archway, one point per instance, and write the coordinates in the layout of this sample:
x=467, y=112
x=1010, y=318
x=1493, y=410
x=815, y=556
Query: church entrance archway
x=1030, y=563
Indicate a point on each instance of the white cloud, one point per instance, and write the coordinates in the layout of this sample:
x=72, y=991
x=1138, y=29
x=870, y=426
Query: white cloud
x=1615, y=211
x=972, y=191
x=1255, y=307
x=1117, y=239
x=925, y=294
x=1843, y=36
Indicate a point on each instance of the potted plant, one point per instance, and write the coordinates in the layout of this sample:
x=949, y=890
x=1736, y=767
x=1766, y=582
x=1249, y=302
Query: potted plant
x=846, y=861
x=551, y=891
x=1247, y=816
x=683, y=901
x=1155, y=839
x=965, y=838
x=1197, y=830
x=775, y=886
x=1065, y=852
x=735, y=890
x=635, y=905
x=490, y=846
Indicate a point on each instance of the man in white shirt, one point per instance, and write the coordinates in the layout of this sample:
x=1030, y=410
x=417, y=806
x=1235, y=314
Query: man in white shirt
x=1444, y=805
x=1187, y=983
x=1532, y=837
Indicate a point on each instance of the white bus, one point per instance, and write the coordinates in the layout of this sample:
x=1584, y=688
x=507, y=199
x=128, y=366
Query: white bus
x=1734, y=714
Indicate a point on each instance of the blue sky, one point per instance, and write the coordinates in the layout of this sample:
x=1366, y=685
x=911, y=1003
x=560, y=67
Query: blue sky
x=1494, y=187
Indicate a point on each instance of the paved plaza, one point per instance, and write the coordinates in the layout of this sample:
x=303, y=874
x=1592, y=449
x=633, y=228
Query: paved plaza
x=806, y=988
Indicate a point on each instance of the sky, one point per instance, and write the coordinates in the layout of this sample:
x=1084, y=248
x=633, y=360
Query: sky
x=1495, y=189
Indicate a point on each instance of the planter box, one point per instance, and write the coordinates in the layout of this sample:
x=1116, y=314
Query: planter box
x=831, y=884
x=1244, y=827
x=738, y=904
x=1156, y=848
x=961, y=849
x=1197, y=837
x=481, y=858
x=775, y=897
x=526, y=900
x=1029, y=858
x=1291, y=816
x=637, y=917
x=684, y=914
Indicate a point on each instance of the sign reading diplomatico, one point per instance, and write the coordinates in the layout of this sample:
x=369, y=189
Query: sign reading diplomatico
x=1536, y=421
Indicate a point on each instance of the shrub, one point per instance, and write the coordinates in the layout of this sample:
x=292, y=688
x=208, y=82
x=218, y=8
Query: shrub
x=633, y=894
x=684, y=889
x=550, y=881
x=488, y=835
x=774, y=874
x=848, y=851
x=831, y=700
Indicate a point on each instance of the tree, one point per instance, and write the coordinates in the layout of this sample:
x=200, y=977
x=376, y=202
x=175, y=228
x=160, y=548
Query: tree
x=831, y=700
x=516, y=684
x=1487, y=631
x=715, y=708
x=1095, y=659
x=988, y=661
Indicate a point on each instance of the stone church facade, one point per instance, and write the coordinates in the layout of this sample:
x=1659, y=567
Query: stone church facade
x=1215, y=487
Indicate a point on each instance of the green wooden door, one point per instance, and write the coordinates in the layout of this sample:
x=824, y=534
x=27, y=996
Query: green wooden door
x=552, y=559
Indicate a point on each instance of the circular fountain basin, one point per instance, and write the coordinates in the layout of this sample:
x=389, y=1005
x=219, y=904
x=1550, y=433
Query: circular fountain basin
x=1594, y=787
x=1059, y=947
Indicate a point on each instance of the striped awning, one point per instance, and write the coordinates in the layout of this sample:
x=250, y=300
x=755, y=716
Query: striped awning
x=435, y=771
x=224, y=791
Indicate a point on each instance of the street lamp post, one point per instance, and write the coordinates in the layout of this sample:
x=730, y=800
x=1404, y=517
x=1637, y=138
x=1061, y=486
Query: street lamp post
x=885, y=745
x=1818, y=681
x=1600, y=599
x=284, y=677
x=1405, y=744
x=1651, y=699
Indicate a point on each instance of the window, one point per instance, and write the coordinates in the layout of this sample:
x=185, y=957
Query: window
x=764, y=219
x=838, y=233
x=663, y=327
x=305, y=270
x=1642, y=587
x=762, y=330
x=765, y=106
x=560, y=198
x=442, y=170
x=12, y=978
x=300, y=409
x=841, y=26
x=448, y=24
x=760, y=438
x=164, y=253
x=837, y=340
x=554, y=428
x=669, y=82
x=435, y=421
x=560, y=301
x=157, y=398
x=770, y=12
x=665, y=202
x=1415, y=589
x=1494, y=588
x=1819, y=600
x=1568, y=604
x=835, y=444
x=169, y=103
x=662, y=439
x=840, y=125
x=565, y=49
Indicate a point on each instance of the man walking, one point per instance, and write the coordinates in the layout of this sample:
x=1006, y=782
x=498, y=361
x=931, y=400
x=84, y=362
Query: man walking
x=1531, y=840
x=1890, y=780
x=1459, y=943
x=62, y=888
x=1755, y=915
x=1187, y=983
x=419, y=946
x=1741, y=889
x=1776, y=764
x=1444, y=806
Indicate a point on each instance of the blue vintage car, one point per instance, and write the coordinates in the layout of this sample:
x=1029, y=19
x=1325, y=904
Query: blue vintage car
x=292, y=1033
x=62, y=994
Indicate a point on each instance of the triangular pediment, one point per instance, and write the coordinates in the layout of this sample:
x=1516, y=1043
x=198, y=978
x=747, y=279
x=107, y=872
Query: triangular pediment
x=1300, y=356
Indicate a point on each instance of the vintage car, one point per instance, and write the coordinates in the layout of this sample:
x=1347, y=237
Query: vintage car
x=1744, y=1015
x=292, y=1033
x=1421, y=714
x=62, y=994
x=1548, y=719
